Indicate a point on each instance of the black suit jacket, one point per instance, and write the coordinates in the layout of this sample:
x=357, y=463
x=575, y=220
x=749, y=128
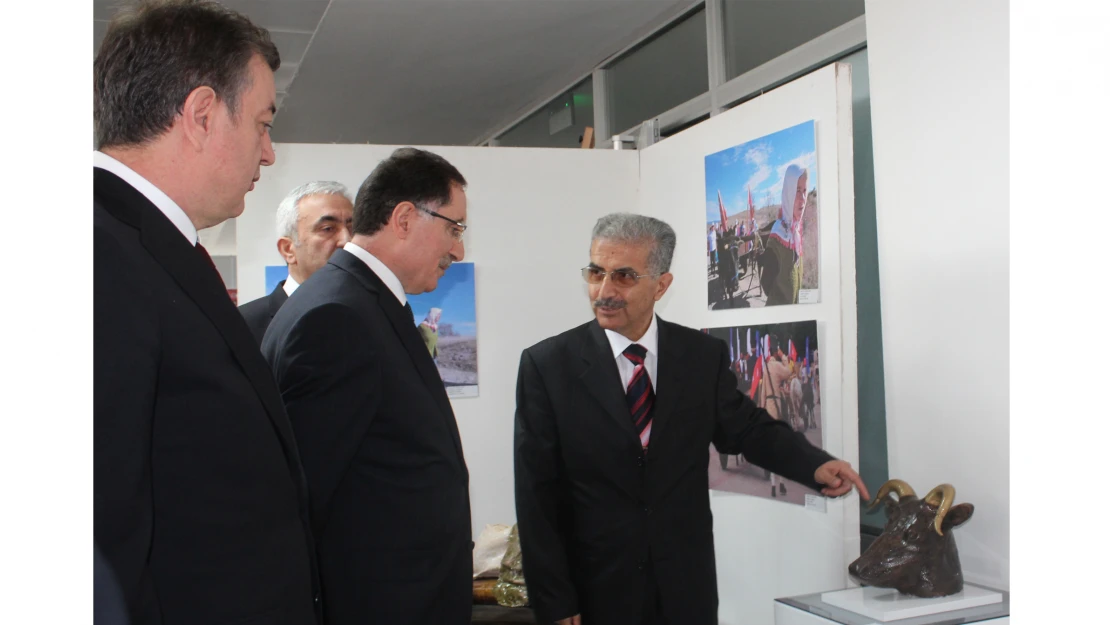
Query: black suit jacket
x=595, y=515
x=381, y=449
x=258, y=313
x=200, y=504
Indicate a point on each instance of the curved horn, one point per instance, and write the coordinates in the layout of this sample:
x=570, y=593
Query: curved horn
x=942, y=496
x=898, y=486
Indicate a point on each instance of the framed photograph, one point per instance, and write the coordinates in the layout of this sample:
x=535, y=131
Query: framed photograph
x=447, y=323
x=778, y=366
x=761, y=221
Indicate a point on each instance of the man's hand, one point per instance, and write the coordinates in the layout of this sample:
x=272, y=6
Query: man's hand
x=574, y=620
x=838, y=477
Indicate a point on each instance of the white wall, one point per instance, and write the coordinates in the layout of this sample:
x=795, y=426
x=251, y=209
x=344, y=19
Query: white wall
x=220, y=240
x=940, y=116
x=530, y=213
x=767, y=549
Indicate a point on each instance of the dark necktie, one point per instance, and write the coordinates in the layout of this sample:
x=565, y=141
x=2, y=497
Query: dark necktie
x=640, y=396
x=208, y=259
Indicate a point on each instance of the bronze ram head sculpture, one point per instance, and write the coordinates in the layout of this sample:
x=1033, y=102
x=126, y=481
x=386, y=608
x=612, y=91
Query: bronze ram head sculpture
x=916, y=552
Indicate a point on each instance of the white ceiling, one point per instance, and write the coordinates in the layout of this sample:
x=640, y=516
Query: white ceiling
x=429, y=72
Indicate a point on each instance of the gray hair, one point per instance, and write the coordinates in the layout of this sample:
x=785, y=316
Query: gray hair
x=287, y=210
x=632, y=228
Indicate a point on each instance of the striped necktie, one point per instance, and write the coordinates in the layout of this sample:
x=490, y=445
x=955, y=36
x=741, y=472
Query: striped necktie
x=640, y=396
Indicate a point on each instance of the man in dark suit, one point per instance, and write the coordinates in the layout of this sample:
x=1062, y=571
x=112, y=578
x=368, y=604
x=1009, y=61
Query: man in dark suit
x=376, y=432
x=200, y=504
x=313, y=221
x=611, y=474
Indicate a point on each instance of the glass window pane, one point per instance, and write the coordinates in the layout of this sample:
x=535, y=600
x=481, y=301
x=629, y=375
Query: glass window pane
x=757, y=31
x=535, y=130
x=670, y=132
x=663, y=73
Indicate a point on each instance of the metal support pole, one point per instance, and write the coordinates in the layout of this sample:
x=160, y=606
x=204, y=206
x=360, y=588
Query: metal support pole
x=715, y=49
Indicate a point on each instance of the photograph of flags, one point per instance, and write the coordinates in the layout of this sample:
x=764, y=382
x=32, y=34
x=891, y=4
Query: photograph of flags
x=777, y=366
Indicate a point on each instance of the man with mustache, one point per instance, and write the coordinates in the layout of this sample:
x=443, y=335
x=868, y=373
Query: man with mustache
x=613, y=425
x=390, y=498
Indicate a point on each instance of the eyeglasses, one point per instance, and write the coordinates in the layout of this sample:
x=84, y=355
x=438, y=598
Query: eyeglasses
x=619, y=277
x=458, y=229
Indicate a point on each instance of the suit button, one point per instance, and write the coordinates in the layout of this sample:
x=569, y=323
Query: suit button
x=640, y=461
x=316, y=599
x=642, y=564
x=647, y=510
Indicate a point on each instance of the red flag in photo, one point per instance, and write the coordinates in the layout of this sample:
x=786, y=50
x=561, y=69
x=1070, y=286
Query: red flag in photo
x=756, y=375
x=721, y=206
x=751, y=207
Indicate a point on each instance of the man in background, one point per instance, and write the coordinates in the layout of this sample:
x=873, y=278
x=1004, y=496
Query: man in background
x=199, y=501
x=313, y=221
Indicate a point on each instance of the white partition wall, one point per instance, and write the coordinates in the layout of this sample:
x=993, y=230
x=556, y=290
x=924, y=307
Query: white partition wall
x=767, y=549
x=530, y=214
x=940, y=120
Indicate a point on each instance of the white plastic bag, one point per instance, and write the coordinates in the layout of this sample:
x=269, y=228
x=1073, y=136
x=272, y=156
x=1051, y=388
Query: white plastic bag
x=489, y=549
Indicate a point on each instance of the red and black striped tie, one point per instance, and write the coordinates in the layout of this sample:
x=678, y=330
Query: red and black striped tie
x=640, y=396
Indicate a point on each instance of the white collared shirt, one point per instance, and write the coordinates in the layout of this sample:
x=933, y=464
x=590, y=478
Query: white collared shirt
x=168, y=207
x=290, y=285
x=649, y=341
x=378, y=267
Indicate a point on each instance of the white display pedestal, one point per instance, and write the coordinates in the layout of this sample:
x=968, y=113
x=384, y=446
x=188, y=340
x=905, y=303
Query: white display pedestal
x=875, y=606
x=887, y=604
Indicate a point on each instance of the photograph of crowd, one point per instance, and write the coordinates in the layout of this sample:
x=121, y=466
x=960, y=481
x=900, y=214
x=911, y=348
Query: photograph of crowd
x=778, y=366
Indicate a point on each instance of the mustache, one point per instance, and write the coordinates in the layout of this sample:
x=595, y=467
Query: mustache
x=445, y=262
x=609, y=302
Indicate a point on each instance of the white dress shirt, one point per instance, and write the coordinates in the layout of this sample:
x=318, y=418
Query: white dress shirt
x=378, y=267
x=168, y=207
x=649, y=341
x=290, y=285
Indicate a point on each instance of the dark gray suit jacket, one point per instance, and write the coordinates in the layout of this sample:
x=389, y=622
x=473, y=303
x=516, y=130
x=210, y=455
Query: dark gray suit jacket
x=381, y=449
x=258, y=313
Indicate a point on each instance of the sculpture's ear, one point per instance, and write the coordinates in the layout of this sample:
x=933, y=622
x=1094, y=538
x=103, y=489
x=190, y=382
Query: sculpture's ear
x=957, y=516
x=890, y=502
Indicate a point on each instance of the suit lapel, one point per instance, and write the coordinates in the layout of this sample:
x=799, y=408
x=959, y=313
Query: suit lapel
x=164, y=242
x=603, y=380
x=405, y=327
x=277, y=298
x=668, y=387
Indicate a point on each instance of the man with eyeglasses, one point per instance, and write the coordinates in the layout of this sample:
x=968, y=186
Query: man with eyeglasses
x=375, y=430
x=613, y=425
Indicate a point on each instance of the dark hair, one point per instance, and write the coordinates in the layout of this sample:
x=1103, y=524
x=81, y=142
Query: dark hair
x=408, y=175
x=155, y=54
